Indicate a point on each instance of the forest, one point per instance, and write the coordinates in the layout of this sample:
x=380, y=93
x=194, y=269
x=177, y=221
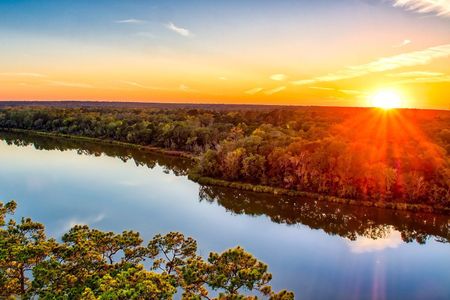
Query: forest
x=92, y=264
x=368, y=155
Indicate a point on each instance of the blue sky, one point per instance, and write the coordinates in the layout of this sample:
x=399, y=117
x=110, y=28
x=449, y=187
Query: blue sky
x=186, y=45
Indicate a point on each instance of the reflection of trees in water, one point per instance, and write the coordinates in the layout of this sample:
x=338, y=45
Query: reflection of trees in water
x=335, y=219
x=178, y=166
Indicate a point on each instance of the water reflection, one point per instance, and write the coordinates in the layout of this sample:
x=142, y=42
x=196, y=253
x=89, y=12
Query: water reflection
x=179, y=166
x=367, y=229
x=319, y=250
x=335, y=219
x=391, y=239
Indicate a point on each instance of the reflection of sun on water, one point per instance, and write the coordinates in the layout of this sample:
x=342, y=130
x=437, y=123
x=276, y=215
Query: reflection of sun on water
x=385, y=99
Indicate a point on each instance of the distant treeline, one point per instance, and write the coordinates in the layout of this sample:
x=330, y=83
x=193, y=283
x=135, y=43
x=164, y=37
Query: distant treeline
x=363, y=154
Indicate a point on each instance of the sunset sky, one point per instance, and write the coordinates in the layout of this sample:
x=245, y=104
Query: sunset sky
x=302, y=52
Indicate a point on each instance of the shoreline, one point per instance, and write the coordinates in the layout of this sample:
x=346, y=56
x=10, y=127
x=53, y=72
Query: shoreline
x=159, y=150
x=316, y=196
x=204, y=180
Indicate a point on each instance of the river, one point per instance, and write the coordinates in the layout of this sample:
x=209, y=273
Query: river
x=318, y=250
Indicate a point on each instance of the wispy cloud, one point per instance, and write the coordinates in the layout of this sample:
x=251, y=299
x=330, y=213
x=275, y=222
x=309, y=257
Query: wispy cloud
x=223, y=78
x=24, y=74
x=426, y=79
x=321, y=88
x=142, y=86
x=304, y=81
x=71, y=222
x=420, y=77
x=70, y=84
x=275, y=90
x=278, y=77
x=403, y=44
x=416, y=74
x=180, y=30
x=181, y=87
x=384, y=64
x=130, y=21
x=353, y=92
x=344, y=91
x=437, y=7
x=185, y=88
x=254, y=91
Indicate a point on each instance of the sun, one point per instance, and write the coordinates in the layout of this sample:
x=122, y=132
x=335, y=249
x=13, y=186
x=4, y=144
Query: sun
x=386, y=99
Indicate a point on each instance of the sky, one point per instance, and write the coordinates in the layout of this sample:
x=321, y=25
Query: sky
x=302, y=52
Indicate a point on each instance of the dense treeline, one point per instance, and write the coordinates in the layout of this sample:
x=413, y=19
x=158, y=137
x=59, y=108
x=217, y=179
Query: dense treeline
x=90, y=264
x=363, y=154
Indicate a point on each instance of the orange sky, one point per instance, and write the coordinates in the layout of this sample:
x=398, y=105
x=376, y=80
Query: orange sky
x=286, y=52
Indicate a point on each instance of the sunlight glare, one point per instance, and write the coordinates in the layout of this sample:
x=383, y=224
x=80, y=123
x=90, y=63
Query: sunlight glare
x=386, y=99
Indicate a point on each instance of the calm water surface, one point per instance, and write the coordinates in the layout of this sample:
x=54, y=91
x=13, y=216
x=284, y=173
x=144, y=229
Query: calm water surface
x=318, y=250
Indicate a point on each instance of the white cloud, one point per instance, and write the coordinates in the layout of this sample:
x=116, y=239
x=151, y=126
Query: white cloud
x=71, y=222
x=254, y=91
x=130, y=21
x=363, y=244
x=278, y=77
x=437, y=7
x=383, y=64
x=275, y=90
x=181, y=31
x=403, y=44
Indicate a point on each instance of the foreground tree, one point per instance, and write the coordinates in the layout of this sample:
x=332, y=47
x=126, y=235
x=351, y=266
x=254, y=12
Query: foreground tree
x=229, y=273
x=23, y=245
x=92, y=264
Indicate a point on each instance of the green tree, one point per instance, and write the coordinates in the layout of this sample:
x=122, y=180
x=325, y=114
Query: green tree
x=92, y=264
x=23, y=245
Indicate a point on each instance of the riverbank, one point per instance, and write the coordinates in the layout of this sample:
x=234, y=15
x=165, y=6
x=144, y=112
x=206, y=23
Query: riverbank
x=245, y=186
x=293, y=193
x=175, y=153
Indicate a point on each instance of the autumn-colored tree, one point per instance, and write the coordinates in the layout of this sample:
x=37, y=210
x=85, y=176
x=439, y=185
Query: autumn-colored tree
x=360, y=154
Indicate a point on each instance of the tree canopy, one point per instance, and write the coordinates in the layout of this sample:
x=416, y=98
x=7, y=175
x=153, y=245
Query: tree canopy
x=92, y=264
x=363, y=154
